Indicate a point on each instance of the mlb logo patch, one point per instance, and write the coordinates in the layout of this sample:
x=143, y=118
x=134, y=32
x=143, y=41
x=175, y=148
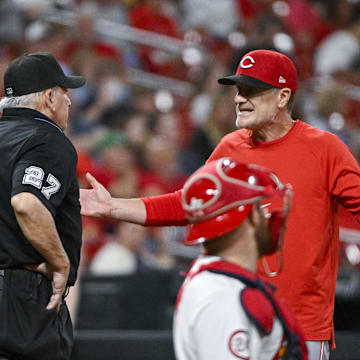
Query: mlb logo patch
x=9, y=91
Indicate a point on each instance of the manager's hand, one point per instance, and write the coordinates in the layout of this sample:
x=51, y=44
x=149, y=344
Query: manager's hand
x=95, y=202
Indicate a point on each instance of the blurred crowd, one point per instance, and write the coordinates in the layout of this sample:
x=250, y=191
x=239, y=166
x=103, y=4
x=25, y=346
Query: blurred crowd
x=152, y=111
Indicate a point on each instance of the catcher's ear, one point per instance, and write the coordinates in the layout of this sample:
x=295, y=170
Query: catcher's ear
x=251, y=216
x=254, y=215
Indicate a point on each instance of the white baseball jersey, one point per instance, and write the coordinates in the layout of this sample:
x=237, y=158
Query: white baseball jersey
x=211, y=323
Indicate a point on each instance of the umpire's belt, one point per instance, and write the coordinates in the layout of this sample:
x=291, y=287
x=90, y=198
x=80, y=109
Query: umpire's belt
x=2, y=274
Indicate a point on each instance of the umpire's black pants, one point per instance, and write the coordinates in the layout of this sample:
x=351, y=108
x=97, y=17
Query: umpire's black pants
x=27, y=330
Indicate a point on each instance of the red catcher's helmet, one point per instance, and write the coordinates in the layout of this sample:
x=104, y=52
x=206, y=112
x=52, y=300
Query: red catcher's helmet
x=219, y=196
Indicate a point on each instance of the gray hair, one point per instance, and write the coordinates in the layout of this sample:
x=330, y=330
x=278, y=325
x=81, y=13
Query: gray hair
x=19, y=101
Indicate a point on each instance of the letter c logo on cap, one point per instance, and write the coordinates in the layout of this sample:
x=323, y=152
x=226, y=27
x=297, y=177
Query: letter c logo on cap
x=249, y=64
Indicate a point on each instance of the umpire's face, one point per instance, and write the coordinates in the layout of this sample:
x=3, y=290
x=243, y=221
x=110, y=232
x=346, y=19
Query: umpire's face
x=60, y=105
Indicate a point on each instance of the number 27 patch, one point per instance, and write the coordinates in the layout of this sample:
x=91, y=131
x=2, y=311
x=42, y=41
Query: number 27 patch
x=34, y=176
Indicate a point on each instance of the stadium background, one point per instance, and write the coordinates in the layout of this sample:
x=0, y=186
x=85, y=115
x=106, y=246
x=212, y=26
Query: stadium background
x=152, y=112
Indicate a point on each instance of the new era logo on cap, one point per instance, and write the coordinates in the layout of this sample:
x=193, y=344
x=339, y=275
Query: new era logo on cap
x=264, y=69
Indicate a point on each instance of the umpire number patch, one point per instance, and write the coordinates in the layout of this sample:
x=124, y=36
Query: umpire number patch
x=34, y=176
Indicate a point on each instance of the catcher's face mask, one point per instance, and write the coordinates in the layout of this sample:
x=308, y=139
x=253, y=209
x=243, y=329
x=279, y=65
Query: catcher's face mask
x=219, y=196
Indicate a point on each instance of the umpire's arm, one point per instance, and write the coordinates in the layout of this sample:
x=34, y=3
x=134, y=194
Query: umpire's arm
x=39, y=228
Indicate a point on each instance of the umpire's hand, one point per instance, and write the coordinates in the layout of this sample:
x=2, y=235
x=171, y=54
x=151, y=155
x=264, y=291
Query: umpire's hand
x=58, y=281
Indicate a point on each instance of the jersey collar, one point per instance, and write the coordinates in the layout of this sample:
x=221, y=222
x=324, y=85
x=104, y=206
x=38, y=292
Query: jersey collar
x=29, y=114
x=217, y=263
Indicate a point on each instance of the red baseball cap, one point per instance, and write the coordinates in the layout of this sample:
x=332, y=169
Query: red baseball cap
x=264, y=69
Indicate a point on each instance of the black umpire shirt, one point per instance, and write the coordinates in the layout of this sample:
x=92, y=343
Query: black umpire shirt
x=37, y=157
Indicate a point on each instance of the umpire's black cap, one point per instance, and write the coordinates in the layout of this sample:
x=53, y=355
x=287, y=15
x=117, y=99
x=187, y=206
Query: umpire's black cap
x=30, y=73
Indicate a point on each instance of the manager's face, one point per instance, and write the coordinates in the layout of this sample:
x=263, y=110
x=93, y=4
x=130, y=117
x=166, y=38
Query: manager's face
x=255, y=107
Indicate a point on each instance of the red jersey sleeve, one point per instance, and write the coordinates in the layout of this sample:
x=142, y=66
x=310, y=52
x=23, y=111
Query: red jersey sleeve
x=344, y=177
x=164, y=210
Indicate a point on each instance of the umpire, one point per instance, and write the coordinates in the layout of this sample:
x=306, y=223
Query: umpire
x=40, y=223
